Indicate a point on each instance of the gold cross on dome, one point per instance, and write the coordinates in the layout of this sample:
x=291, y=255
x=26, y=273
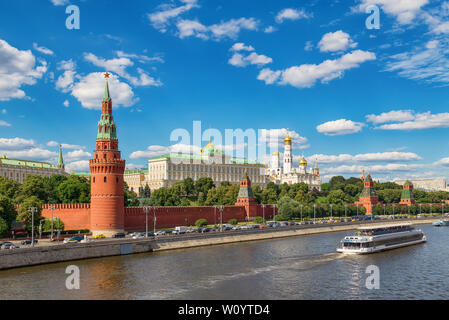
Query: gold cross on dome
x=107, y=75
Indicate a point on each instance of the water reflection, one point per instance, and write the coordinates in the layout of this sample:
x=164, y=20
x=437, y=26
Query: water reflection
x=292, y=268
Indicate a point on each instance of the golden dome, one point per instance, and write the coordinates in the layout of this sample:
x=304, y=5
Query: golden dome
x=209, y=145
x=303, y=162
x=276, y=153
x=288, y=139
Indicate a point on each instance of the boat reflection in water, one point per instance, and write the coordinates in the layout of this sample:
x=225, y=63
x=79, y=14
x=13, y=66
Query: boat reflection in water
x=380, y=238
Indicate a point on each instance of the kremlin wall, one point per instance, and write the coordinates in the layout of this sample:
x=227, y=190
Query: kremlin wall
x=106, y=213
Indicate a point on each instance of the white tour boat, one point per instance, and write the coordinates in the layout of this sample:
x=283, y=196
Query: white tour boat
x=380, y=238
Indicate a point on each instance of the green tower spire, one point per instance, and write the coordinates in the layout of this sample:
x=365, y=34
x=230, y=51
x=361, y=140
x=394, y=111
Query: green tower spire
x=106, y=91
x=60, y=159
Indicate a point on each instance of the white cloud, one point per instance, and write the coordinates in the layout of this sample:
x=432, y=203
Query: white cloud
x=15, y=144
x=419, y=121
x=376, y=169
x=161, y=18
x=239, y=60
x=269, y=29
x=30, y=154
x=275, y=138
x=78, y=166
x=241, y=47
x=291, y=14
x=4, y=124
x=43, y=49
x=308, y=46
x=64, y=145
x=140, y=57
x=17, y=68
x=405, y=11
x=366, y=157
x=59, y=2
x=225, y=29
x=77, y=155
x=428, y=63
x=66, y=103
x=89, y=91
x=306, y=75
x=119, y=65
x=391, y=116
x=336, y=41
x=189, y=28
x=340, y=127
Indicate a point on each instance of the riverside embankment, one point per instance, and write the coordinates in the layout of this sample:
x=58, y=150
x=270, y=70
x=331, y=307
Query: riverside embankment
x=25, y=257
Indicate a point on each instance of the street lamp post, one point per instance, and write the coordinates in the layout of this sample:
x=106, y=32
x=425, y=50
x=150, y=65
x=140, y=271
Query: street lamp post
x=346, y=210
x=274, y=212
x=301, y=212
x=32, y=210
x=314, y=213
x=51, y=209
x=146, y=221
x=357, y=209
x=420, y=208
x=154, y=220
x=221, y=208
x=393, y=211
x=384, y=208
x=331, y=211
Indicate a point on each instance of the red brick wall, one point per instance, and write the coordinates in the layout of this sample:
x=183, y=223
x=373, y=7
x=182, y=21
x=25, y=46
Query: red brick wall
x=77, y=216
x=168, y=217
x=74, y=216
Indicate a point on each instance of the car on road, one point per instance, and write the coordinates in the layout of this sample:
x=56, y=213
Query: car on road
x=119, y=235
x=139, y=236
x=87, y=240
x=57, y=239
x=236, y=228
x=28, y=242
x=70, y=240
x=8, y=246
x=99, y=236
x=204, y=230
x=160, y=233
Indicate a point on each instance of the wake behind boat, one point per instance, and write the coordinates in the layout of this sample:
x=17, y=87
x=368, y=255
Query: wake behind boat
x=380, y=238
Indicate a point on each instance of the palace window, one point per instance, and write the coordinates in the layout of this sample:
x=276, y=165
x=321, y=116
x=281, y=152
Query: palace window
x=105, y=179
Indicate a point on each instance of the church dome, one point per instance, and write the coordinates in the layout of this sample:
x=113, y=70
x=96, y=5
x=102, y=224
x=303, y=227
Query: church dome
x=303, y=162
x=276, y=153
x=288, y=139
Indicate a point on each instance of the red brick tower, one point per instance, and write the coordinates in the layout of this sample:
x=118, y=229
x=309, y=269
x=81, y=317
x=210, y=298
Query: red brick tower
x=107, y=168
x=407, y=194
x=246, y=197
x=368, y=197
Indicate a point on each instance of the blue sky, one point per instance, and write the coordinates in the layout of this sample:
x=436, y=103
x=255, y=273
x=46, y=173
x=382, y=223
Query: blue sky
x=351, y=97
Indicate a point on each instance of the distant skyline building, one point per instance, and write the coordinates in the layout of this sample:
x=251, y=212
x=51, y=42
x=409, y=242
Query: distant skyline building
x=290, y=175
x=426, y=184
x=18, y=170
x=407, y=194
x=164, y=171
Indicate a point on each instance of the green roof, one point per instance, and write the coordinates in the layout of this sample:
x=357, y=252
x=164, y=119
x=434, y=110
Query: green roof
x=26, y=163
x=136, y=171
x=106, y=92
x=200, y=157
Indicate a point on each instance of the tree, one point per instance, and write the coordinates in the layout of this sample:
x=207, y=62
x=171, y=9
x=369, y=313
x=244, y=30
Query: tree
x=258, y=220
x=188, y=186
x=34, y=186
x=201, y=223
x=8, y=212
x=288, y=209
x=52, y=183
x=147, y=192
x=338, y=197
x=9, y=188
x=58, y=224
x=204, y=185
x=4, y=229
x=73, y=190
x=130, y=197
x=233, y=222
x=26, y=216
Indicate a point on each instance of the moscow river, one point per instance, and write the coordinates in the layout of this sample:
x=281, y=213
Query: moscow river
x=292, y=268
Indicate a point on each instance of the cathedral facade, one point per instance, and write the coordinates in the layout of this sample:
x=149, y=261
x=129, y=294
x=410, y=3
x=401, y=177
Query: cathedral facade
x=291, y=175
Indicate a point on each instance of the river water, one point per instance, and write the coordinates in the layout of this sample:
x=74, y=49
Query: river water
x=293, y=268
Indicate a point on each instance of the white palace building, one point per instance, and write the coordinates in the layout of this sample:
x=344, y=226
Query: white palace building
x=291, y=175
